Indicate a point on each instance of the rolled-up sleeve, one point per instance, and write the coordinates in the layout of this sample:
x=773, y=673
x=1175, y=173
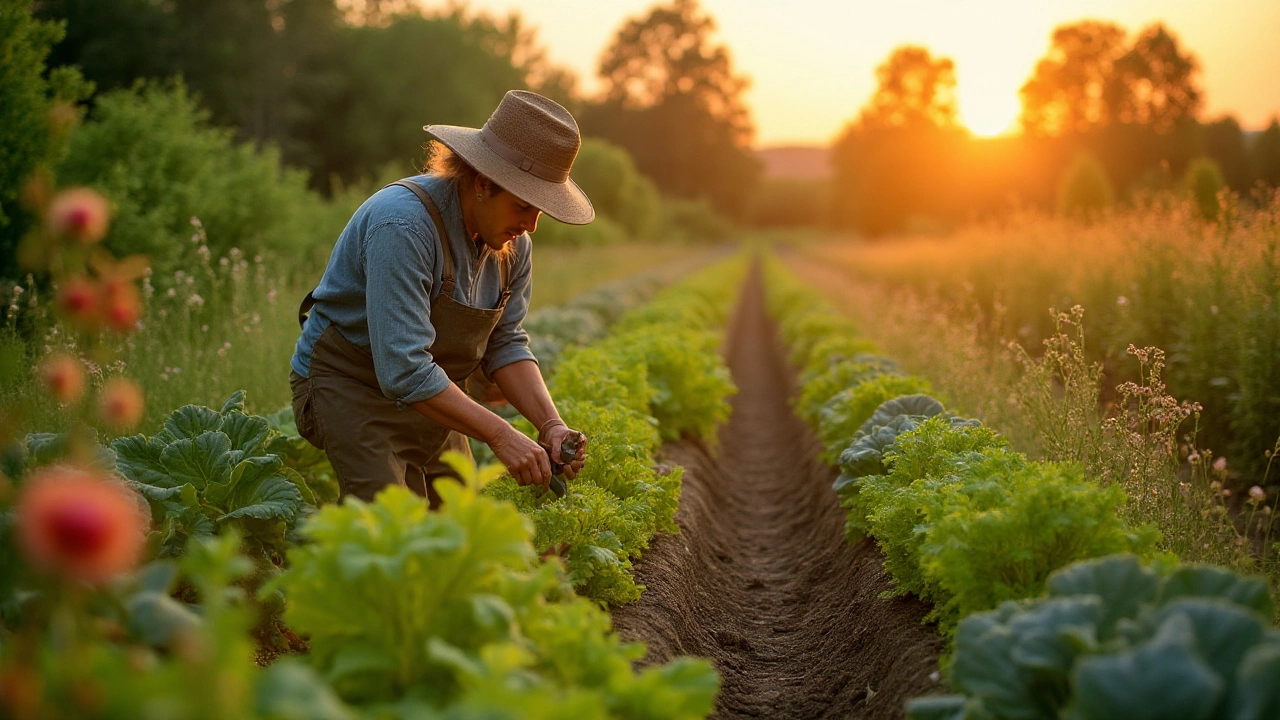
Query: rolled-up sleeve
x=509, y=342
x=398, y=267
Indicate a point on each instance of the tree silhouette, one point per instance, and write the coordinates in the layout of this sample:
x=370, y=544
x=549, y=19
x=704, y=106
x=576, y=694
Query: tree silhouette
x=892, y=163
x=672, y=99
x=914, y=90
x=1266, y=155
x=1090, y=79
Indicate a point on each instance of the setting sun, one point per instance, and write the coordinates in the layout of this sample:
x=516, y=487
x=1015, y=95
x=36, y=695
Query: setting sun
x=988, y=113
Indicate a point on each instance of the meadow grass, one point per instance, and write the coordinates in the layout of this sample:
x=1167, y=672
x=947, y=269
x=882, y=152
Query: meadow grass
x=1050, y=400
x=1155, y=276
x=230, y=323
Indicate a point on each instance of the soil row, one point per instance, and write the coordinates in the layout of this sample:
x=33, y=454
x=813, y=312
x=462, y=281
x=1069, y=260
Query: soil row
x=760, y=579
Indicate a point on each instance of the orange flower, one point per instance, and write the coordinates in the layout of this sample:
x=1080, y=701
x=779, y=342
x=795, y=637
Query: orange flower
x=121, y=304
x=121, y=403
x=80, y=524
x=78, y=297
x=80, y=214
x=64, y=376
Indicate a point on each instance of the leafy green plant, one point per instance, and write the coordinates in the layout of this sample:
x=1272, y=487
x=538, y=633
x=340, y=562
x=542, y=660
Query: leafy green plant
x=842, y=415
x=1112, y=639
x=822, y=381
x=440, y=609
x=208, y=469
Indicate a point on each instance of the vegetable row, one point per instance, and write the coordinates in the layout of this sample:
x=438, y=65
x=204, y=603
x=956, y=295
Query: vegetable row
x=1055, y=607
x=463, y=612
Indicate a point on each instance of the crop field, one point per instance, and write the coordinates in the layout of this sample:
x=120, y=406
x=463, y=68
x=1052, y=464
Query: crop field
x=948, y=415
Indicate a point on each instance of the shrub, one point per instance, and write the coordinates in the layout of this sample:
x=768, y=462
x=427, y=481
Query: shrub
x=152, y=152
x=617, y=189
x=1085, y=190
x=1204, y=180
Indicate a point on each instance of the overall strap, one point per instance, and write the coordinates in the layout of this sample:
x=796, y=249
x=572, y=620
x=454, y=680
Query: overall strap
x=446, y=281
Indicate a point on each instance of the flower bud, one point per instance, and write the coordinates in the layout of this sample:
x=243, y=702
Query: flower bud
x=121, y=403
x=64, y=376
x=80, y=214
x=80, y=524
x=121, y=305
x=79, y=297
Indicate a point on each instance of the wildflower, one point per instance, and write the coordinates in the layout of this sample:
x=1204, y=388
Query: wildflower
x=78, y=297
x=64, y=376
x=122, y=305
x=121, y=404
x=1122, y=301
x=80, y=523
x=1257, y=494
x=80, y=214
x=1193, y=458
x=1220, y=464
x=195, y=300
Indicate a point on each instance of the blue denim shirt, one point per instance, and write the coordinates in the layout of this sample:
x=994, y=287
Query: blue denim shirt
x=383, y=273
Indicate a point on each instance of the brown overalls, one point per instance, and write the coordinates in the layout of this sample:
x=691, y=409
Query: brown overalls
x=373, y=441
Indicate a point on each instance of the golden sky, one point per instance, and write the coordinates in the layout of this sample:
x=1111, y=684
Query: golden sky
x=812, y=62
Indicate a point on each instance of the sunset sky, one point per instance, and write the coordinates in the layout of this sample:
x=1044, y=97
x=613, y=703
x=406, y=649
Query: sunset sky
x=812, y=62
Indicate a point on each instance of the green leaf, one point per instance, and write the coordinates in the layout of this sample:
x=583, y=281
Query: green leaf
x=155, y=618
x=1119, y=580
x=1159, y=680
x=235, y=403
x=984, y=668
x=244, y=480
x=45, y=448
x=1209, y=581
x=247, y=433
x=1052, y=633
x=300, y=482
x=940, y=707
x=1257, y=688
x=274, y=498
x=138, y=458
x=198, y=461
x=189, y=422
x=289, y=690
x=1223, y=631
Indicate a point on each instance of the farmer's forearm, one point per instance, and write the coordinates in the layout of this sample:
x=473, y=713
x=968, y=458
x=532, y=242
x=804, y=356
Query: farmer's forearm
x=521, y=382
x=454, y=410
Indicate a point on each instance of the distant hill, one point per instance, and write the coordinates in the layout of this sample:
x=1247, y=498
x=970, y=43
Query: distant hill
x=796, y=163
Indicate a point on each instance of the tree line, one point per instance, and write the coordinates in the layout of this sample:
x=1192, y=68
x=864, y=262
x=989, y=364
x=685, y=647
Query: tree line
x=1105, y=116
x=340, y=90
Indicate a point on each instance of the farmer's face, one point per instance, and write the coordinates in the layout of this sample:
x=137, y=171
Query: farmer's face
x=502, y=217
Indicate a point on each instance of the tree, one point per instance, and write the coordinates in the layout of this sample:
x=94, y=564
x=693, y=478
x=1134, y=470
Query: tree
x=1071, y=88
x=1154, y=82
x=672, y=99
x=892, y=163
x=914, y=90
x=1266, y=155
x=1225, y=143
x=1091, y=79
x=36, y=113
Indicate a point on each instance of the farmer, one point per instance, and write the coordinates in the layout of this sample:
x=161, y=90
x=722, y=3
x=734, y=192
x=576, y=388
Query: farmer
x=426, y=287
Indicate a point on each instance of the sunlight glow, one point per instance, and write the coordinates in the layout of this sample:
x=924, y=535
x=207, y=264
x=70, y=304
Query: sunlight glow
x=988, y=114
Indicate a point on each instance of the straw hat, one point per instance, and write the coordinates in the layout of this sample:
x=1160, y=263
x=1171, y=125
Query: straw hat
x=527, y=147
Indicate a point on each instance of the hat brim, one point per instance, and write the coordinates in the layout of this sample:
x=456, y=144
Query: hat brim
x=565, y=201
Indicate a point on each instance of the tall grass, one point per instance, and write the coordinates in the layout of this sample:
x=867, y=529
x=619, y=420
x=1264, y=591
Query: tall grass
x=1158, y=276
x=1052, y=401
x=229, y=323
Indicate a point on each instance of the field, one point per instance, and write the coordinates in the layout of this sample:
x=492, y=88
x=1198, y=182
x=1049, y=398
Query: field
x=813, y=474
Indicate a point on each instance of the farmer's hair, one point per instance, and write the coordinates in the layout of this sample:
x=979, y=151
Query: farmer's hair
x=445, y=163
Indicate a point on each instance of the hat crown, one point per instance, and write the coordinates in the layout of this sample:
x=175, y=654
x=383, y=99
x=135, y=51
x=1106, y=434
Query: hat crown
x=538, y=127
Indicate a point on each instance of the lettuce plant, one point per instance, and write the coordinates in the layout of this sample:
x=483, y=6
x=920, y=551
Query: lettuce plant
x=842, y=415
x=414, y=613
x=209, y=469
x=1113, y=639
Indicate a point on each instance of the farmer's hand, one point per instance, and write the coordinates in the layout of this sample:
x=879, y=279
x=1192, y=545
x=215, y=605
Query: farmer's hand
x=525, y=459
x=555, y=437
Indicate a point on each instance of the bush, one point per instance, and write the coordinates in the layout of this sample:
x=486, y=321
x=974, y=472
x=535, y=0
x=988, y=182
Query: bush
x=616, y=188
x=1085, y=190
x=152, y=152
x=601, y=231
x=693, y=221
x=33, y=115
x=1204, y=181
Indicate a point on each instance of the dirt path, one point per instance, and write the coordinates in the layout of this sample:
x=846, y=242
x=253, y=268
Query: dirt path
x=760, y=578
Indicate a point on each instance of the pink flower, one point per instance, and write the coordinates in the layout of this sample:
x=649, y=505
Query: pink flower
x=80, y=524
x=78, y=297
x=121, y=403
x=1220, y=464
x=121, y=305
x=80, y=214
x=1257, y=494
x=64, y=376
